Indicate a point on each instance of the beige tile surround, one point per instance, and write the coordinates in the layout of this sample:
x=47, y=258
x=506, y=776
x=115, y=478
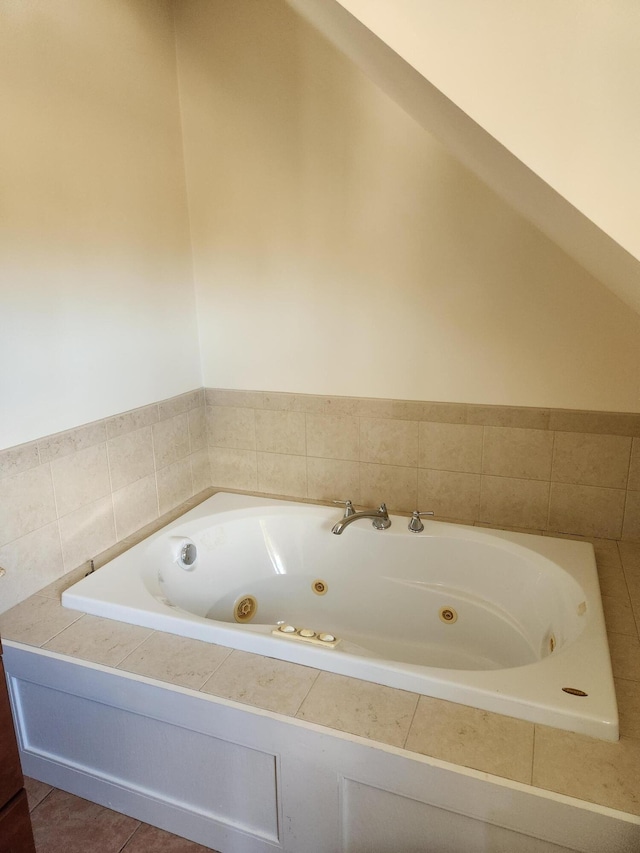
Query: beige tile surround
x=67, y=497
x=538, y=469
x=574, y=765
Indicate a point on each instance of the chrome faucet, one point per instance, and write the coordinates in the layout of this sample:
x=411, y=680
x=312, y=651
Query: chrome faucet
x=348, y=508
x=380, y=519
x=416, y=525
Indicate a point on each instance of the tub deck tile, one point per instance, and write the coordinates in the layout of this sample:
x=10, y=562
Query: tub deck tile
x=632, y=576
x=36, y=620
x=55, y=589
x=176, y=660
x=360, y=708
x=594, y=770
x=628, y=696
x=625, y=656
x=493, y=743
x=274, y=685
x=619, y=617
x=630, y=554
x=98, y=640
x=613, y=582
x=606, y=550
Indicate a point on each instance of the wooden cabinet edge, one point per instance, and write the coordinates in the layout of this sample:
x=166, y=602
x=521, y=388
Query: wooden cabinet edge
x=16, y=834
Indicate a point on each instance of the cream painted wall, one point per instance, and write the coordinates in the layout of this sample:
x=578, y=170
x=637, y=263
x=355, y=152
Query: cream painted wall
x=96, y=293
x=338, y=249
x=557, y=83
x=486, y=156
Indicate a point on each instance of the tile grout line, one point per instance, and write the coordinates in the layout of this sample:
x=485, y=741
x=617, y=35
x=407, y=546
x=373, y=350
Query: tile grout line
x=553, y=458
x=46, y=796
x=155, y=469
x=482, y=476
x=626, y=584
x=626, y=490
x=57, y=521
x=413, y=717
x=306, y=695
x=57, y=633
x=131, y=837
x=135, y=649
x=214, y=670
x=359, y=496
x=533, y=752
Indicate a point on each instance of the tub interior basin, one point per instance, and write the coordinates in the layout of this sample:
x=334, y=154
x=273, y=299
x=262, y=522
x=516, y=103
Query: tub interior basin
x=442, y=601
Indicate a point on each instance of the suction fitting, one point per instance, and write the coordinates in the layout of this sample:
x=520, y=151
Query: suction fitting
x=245, y=608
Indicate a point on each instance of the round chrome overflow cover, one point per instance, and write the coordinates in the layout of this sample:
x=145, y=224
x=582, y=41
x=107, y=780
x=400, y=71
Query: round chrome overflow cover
x=188, y=555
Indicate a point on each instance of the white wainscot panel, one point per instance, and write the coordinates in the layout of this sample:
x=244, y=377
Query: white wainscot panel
x=379, y=821
x=217, y=779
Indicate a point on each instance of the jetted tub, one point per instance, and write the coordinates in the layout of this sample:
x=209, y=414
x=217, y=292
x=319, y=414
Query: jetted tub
x=502, y=621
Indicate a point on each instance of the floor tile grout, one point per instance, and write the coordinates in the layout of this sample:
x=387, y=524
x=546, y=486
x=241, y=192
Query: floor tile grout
x=130, y=838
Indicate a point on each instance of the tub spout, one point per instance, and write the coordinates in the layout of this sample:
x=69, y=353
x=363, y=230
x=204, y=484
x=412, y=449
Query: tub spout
x=379, y=519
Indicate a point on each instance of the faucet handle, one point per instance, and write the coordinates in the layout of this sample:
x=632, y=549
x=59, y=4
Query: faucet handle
x=415, y=525
x=381, y=521
x=348, y=508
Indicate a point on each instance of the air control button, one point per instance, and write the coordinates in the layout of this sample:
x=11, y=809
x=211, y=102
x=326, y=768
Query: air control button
x=287, y=629
x=327, y=638
x=307, y=632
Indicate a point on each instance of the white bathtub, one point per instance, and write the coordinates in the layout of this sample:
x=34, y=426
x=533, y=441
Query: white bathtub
x=496, y=620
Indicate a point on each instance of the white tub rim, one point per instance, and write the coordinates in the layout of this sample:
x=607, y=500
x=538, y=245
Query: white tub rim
x=598, y=714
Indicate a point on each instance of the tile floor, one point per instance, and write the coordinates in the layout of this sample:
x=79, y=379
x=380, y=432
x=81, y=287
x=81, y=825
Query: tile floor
x=63, y=823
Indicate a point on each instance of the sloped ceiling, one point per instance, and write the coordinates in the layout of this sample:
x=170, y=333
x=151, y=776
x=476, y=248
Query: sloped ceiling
x=540, y=100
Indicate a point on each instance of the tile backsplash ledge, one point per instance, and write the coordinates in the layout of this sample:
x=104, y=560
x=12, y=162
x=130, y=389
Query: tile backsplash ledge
x=66, y=497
